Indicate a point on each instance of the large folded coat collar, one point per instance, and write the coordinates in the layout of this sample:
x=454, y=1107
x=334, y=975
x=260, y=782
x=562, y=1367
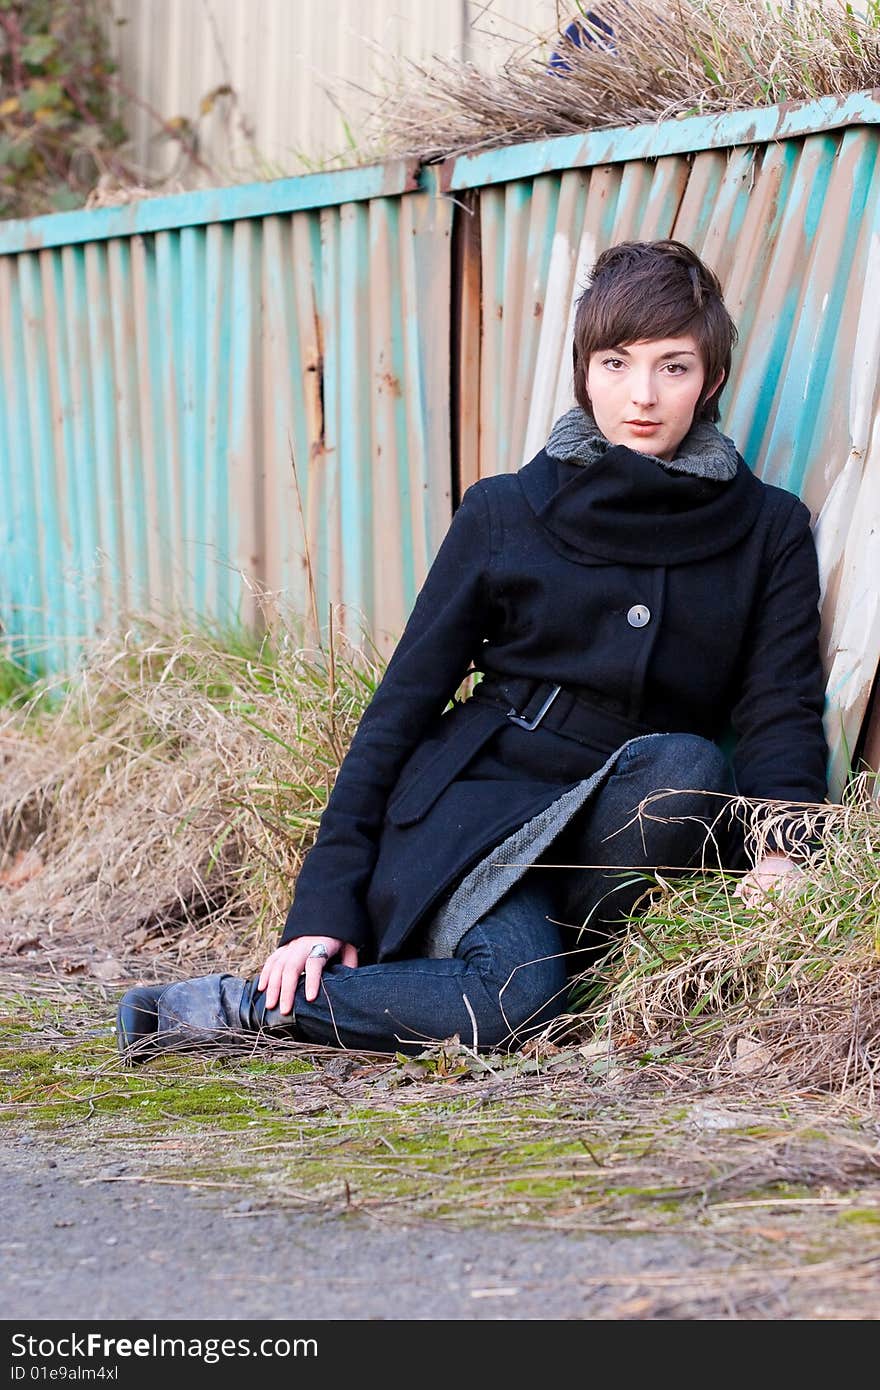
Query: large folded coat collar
x=626, y=508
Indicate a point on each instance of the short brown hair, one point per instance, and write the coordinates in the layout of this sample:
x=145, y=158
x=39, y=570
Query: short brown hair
x=640, y=291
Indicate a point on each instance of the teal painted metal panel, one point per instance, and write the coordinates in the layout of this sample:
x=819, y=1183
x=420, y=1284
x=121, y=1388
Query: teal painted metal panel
x=154, y=386
x=210, y=205
x=21, y=556
x=688, y=135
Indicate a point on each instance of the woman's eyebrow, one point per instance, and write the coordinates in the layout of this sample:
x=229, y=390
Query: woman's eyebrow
x=678, y=352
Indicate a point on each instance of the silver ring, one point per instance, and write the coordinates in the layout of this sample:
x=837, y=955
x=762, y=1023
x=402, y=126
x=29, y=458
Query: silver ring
x=319, y=952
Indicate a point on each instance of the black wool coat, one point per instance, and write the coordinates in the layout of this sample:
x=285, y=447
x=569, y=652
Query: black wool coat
x=538, y=577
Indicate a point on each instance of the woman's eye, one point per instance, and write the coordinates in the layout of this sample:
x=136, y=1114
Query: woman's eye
x=613, y=363
x=676, y=368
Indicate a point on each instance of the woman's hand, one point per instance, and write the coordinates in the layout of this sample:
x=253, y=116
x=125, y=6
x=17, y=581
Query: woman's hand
x=772, y=877
x=279, y=977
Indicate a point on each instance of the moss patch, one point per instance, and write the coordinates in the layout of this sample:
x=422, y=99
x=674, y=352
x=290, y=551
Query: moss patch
x=861, y=1216
x=444, y=1137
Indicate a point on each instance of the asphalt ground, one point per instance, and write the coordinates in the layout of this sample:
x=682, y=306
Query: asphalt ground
x=80, y=1245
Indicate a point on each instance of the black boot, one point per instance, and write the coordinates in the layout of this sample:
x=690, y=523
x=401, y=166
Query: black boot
x=163, y=1018
x=137, y=1021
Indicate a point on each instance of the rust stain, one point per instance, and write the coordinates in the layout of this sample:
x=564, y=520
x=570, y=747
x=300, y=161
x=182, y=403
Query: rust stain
x=411, y=178
x=392, y=382
x=314, y=392
x=314, y=387
x=445, y=174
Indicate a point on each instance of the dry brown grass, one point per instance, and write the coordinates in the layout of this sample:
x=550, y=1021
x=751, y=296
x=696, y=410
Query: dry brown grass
x=788, y=993
x=164, y=805
x=668, y=58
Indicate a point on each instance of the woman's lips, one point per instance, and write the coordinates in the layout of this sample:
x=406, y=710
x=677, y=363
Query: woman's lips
x=642, y=424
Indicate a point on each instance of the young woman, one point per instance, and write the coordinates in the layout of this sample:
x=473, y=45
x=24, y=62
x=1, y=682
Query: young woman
x=630, y=596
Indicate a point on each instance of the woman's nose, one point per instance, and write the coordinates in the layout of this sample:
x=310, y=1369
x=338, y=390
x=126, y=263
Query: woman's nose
x=642, y=388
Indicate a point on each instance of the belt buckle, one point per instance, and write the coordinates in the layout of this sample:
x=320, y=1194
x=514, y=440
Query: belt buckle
x=530, y=724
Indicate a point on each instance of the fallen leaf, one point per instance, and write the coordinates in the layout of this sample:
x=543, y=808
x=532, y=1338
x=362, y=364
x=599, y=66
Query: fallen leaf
x=750, y=1056
x=109, y=969
x=770, y=1232
x=23, y=943
x=635, y=1308
x=539, y=1047
x=25, y=866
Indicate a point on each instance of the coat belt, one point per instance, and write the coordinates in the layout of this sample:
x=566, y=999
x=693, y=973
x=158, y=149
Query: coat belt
x=533, y=704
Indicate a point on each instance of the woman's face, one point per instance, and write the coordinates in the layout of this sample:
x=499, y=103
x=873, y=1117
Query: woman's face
x=644, y=395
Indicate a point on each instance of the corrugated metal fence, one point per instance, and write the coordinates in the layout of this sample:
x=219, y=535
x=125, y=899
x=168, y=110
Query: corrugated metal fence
x=156, y=359
x=194, y=387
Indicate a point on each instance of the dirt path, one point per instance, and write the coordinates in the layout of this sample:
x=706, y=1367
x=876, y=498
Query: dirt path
x=76, y=1245
x=81, y=1244
x=313, y=1185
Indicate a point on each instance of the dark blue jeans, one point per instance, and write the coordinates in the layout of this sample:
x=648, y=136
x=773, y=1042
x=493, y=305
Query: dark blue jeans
x=509, y=975
x=665, y=807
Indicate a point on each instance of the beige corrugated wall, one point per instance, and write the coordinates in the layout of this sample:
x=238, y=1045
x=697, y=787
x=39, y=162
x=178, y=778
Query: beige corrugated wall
x=297, y=68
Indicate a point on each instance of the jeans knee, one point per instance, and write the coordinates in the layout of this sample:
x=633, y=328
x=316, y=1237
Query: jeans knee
x=684, y=762
x=528, y=998
x=516, y=963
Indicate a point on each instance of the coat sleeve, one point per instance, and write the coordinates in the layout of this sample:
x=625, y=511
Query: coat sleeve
x=781, y=752
x=442, y=638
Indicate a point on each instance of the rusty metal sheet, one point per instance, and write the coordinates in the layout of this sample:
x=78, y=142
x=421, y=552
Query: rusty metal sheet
x=355, y=420
x=155, y=388
x=678, y=136
x=210, y=205
x=465, y=341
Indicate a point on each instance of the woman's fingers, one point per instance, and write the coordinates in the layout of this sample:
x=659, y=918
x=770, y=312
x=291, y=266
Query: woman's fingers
x=314, y=971
x=266, y=971
x=281, y=973
x=769, y=881
x=275, y=984
x=289, y=979
x=321, y=950
x=315, y=965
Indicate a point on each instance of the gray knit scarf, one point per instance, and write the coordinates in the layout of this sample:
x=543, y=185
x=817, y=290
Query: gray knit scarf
x=704, y=452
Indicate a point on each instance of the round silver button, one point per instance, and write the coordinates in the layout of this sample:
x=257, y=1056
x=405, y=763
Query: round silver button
x=638, y=615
